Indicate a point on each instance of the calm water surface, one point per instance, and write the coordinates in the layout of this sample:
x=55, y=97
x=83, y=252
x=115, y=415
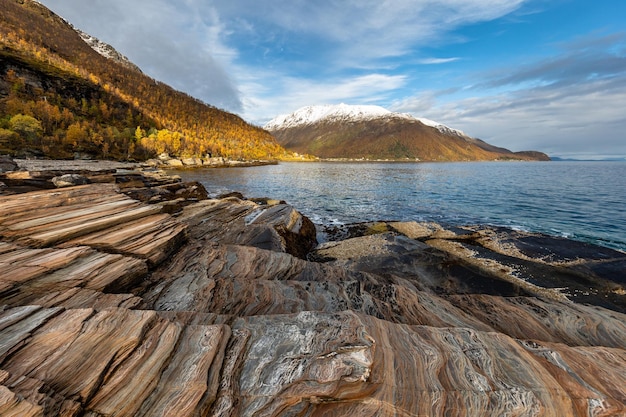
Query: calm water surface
x=580, y=200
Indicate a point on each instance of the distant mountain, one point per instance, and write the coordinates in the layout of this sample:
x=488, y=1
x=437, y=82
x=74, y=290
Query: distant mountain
x=64, y=93
x=372, y=132
x=613, y=159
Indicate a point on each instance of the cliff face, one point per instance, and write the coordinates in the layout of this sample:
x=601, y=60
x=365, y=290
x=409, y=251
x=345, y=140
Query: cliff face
x=111, y=307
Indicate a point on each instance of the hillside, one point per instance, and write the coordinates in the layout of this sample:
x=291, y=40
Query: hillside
x=60, y=97
x=371, y=132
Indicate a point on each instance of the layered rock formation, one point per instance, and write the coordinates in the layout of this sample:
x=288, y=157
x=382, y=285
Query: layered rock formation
x=113, y=307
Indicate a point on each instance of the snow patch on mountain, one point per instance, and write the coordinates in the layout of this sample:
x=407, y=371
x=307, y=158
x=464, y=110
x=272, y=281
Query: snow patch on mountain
x=440, y=127
x=343, y=112
x=313, y=114
x=106, y=50
x=96, y=44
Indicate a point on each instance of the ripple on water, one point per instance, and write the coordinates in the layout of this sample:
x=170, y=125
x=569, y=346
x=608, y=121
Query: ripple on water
x=580, y=200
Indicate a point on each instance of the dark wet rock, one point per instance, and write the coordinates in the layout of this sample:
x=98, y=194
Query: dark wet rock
x=233, y=194
x=7, y=164
x=392, y=255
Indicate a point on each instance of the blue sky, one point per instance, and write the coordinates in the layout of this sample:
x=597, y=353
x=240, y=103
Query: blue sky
x=522, y=74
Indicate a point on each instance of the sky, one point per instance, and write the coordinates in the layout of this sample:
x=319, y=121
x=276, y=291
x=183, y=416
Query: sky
x=547, y=75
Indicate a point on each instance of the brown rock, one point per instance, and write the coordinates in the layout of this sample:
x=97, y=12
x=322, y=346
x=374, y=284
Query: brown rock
x=279, y=227
x=108, y=307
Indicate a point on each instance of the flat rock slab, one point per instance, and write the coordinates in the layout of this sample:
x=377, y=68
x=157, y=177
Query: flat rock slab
x=484, y=260
x=94, y=215
x=344, y=363
x=72, y=165
x=64, y=276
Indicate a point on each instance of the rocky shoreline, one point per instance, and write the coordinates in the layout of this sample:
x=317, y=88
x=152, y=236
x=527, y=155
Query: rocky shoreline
x=165, y=161
x=136, y=295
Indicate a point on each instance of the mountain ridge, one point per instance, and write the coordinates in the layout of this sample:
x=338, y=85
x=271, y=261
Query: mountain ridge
x=106, y=50
x=111, y=111
x=372, y=132
x=313, y=114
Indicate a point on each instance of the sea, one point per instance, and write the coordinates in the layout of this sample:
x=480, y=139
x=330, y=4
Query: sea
x=584, y=201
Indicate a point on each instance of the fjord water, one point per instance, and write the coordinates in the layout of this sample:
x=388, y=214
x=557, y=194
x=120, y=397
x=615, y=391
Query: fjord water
x=581, y=200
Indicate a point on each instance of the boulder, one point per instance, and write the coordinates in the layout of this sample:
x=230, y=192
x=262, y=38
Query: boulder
x=264, y=201
x=84, y=156
x=172, y=162
x=279, y=227
x=214, y=161
x=233, y=194
x=7, y=164
x=192, y=162
x=185, y=192
x=153, y=163
x=69, y=180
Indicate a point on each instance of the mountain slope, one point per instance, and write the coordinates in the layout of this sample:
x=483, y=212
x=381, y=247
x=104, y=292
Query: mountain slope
x=372, y=132
x=85, y=102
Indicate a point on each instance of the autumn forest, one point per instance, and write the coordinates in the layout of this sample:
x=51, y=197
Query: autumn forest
x=61, y=99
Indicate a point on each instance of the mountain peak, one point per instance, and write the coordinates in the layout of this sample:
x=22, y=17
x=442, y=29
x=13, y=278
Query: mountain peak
x=314, y=114
x=344, y=112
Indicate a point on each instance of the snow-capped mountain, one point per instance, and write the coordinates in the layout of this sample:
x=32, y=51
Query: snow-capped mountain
x=372, y=132
x=314, y=114
x=441, y=127
x=344, y=112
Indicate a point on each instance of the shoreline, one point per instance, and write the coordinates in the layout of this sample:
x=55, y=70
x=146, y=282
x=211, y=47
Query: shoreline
x=45, y=169
x=99, y=164
x=232, y=298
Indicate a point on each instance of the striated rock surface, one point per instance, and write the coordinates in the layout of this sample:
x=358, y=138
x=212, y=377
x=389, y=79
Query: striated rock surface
x=277, y=227
x=110, y=306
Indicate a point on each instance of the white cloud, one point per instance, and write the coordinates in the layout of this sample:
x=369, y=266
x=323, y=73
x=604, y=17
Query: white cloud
x=179, y=43
x=436, y=61
x=581, y=120
x=572, y=101
x=568, y=103
x=195, y=45
x=364, y=30
x=287, y=94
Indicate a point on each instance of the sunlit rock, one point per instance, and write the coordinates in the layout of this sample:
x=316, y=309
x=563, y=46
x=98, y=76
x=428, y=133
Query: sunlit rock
x=111, y=306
